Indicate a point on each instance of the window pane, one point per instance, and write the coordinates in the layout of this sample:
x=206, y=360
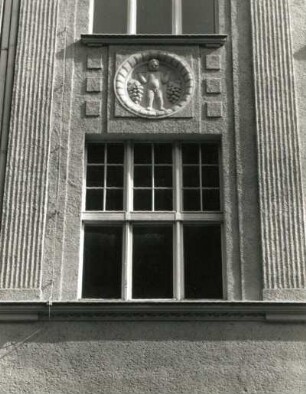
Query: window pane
x=209, y=153
x=95, y=176
x=210, y=176
x=142, y=200
x=115, y=153
x=190, y=153
x=102, y=262
x=143, y=176
x=152, y=262
x=110, y=16
x=94, y=199
x=115, y=176
x=202, y=260
x=154, y=16
x=198, y=16
x=114, y=200
x=163, y=153
x=163, y=176
x=95, y=153
x=191, y=200
x=163, y=200
x=211, y=200
x=142, y=154
x=191, y=177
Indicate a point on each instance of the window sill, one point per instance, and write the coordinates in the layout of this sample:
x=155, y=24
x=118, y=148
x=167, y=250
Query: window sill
x=206, y=40
x=84, y=310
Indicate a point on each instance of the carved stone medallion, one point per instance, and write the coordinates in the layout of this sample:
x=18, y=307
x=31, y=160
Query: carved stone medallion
x=154, y=84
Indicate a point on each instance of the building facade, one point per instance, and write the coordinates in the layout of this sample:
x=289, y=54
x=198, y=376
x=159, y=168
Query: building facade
x=152, y=196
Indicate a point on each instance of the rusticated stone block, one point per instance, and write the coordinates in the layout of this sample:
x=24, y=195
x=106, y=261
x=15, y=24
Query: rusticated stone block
x=213, y=62
x=214, y=110
x=93, y=108
x=94, y=62
x=213, y=86
x=93, y=85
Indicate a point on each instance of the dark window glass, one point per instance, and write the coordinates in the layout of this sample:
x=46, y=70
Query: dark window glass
x=143, y=176
x=209, y=153
x=163, y=176
x=163, y=200
x=163, y=153
x=202, y=261
x=115, y=176
x=191, y=200
x=142, y=200
x=95, y=176
x=198, y=16
x=210, y=176
x=94, y=199
x=115, y=153
x=190, y=153
x=110, y=16
x=102, y=262
x=191, y=177
x=114, y=200
x=154, y=16
x=152, y=262
x=211, y=200
x=142, y=154
x=95, y=153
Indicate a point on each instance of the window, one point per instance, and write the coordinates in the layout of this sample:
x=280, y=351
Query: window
x=154, y=17
x=152, y=221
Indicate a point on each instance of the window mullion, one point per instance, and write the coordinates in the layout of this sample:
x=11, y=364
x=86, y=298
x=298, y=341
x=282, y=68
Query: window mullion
x=176, y=16
x=105, y=177
x=178, y=264
x=132, y=17
x=127, y=262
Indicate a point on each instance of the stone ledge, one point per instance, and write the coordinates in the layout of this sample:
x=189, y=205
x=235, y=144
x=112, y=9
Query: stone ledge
x=291, y=312
x=206, y=40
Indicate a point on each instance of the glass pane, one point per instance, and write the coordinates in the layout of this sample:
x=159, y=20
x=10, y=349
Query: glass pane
x=110, y=16
x=163, y=200
x=210, y=176
x=163, y=176
x=154, y=17
x=102, y=262
x=163, y=153
x=209, y=154
x=142, y=200
x=114, y=200
x=142, y=153
x=190, y=153
x=94, y=199
x=114, y=176
x=191, y=200
x=202, y=261
x=95, y=153
x=211, y=200
x=152, y=262
x=198, y=16
x=115, y=153
x=191, y=176
x=143, y=176
x=95, y=176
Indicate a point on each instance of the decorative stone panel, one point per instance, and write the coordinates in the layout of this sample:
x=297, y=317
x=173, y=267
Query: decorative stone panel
x=154, y=84
x=24, y=209
x=279, y=163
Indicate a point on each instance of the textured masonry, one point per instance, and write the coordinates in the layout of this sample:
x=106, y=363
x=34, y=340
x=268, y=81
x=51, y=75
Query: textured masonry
x=21, y=243
x=280, y=182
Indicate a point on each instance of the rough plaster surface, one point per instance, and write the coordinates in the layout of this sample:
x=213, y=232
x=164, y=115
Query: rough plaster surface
x=152, y=357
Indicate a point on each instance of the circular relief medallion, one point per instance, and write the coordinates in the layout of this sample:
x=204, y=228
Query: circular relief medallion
x=154, y=84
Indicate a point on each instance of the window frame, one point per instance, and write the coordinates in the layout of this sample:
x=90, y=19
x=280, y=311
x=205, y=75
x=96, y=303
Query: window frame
x=177, y=218
x=177, y=25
